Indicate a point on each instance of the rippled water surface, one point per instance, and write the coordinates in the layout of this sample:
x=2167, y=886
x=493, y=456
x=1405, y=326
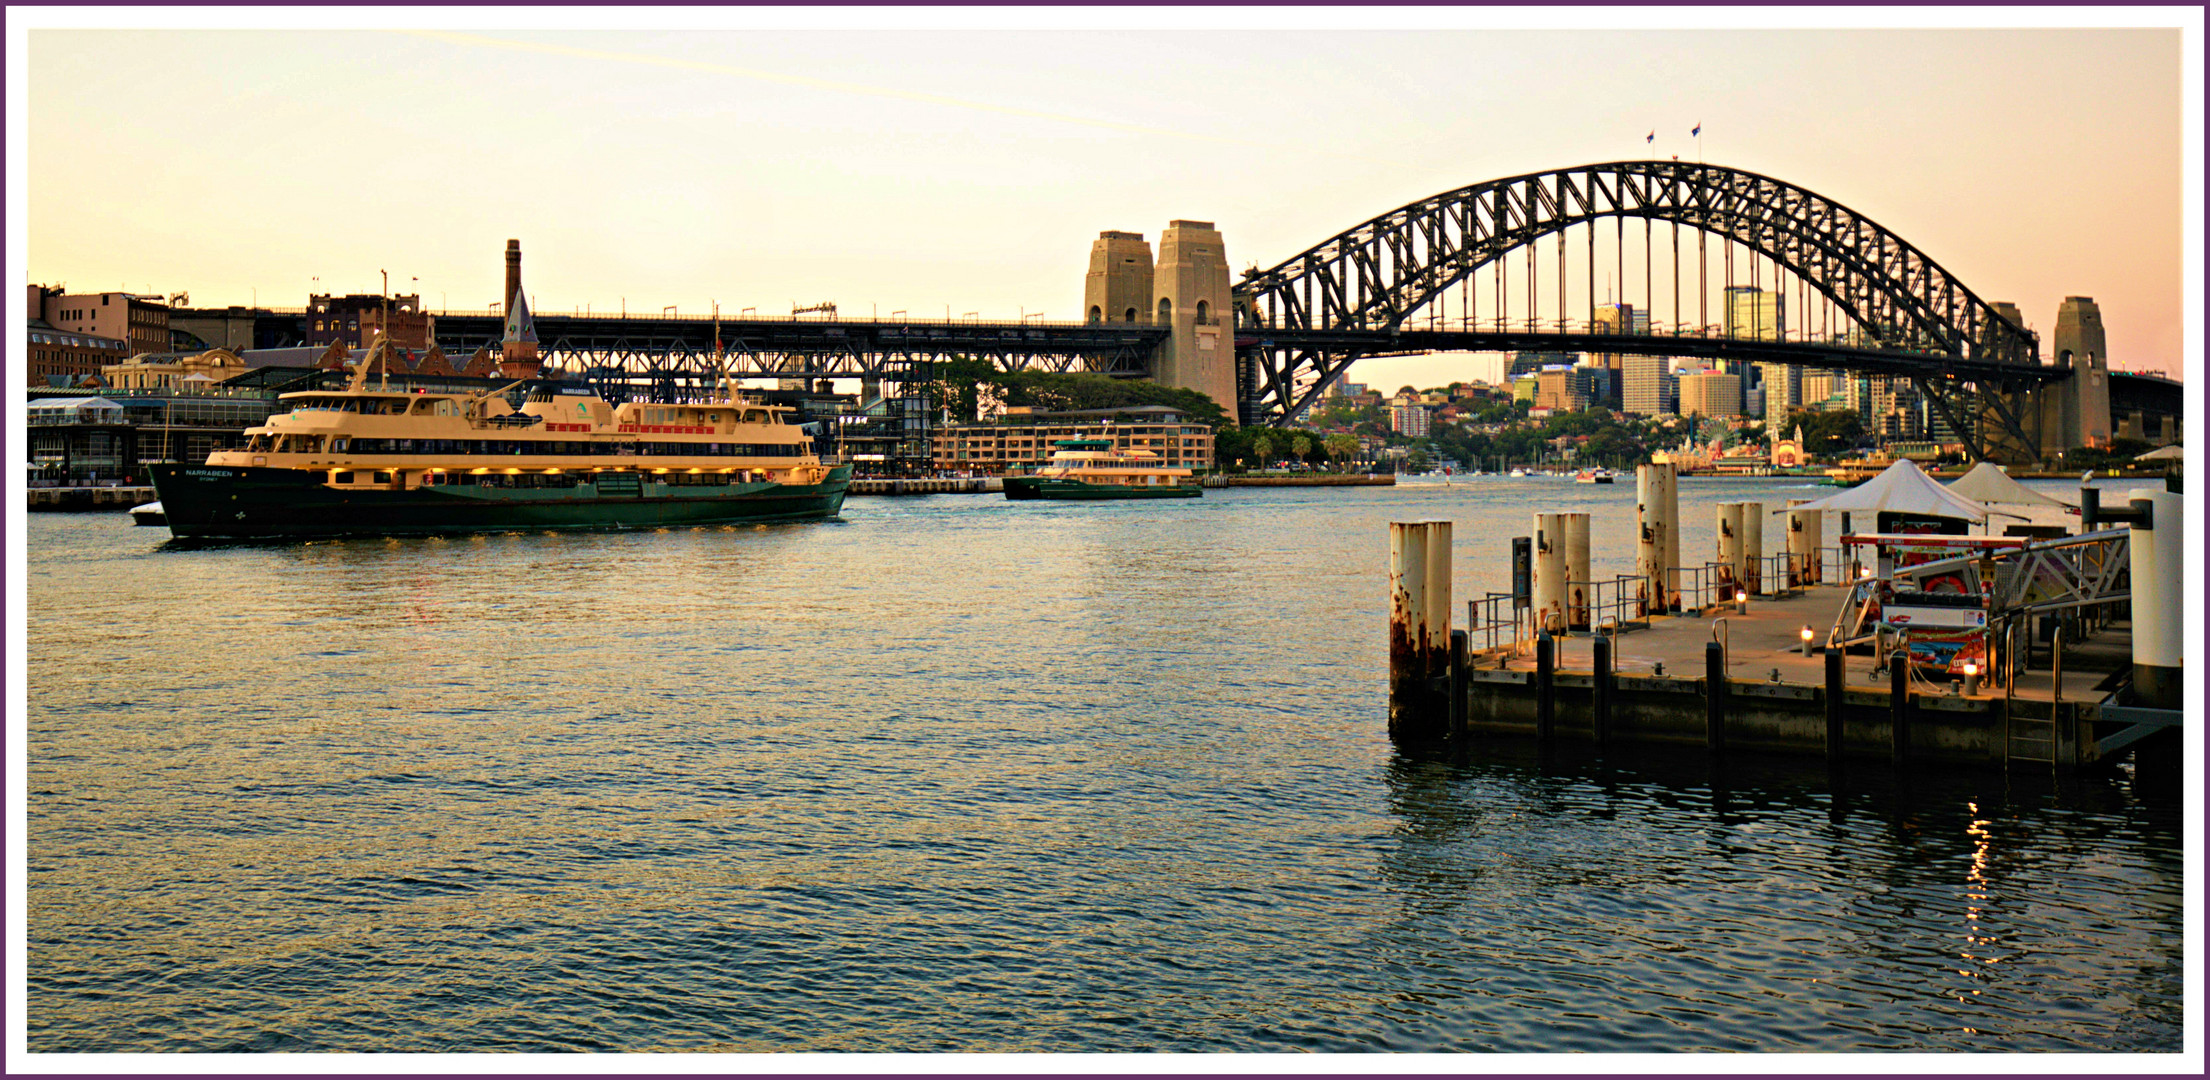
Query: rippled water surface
x=957, y=774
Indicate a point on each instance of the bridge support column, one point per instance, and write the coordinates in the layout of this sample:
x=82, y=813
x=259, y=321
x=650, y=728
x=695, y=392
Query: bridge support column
x=1196, y=300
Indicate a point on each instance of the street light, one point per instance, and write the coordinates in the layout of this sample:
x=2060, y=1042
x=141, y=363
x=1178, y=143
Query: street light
x=1805, y=634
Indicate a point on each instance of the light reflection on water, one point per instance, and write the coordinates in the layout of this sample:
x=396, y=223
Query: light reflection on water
x=960, y=774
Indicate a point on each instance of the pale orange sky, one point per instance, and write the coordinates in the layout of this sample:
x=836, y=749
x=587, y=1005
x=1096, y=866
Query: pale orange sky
x=969, y=169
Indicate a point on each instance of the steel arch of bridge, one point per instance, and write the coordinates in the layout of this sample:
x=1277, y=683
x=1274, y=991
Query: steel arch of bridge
x=1969, y=361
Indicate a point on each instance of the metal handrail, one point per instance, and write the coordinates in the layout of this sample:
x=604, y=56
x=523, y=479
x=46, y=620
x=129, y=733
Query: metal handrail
x=1487, y=618
x=1598, y=614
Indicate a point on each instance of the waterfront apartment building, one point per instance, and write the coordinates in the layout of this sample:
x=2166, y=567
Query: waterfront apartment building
x=1711, y=394
x=140, y=322
x=1648, y=388
x=58, y=357
x=1021, y=438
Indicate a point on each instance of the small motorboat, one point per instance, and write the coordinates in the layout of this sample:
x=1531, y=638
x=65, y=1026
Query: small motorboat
x=1593, y=476
x=148, y=514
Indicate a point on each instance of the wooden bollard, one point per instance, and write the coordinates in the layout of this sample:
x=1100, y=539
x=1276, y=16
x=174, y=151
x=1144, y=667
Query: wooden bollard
x=1836, y=694
x=1458, y=684
x=1408, y=693
x=1600, y=713
x=1578, y=580
x=1715, y=696
x=1899, y=703
x=1546, y=692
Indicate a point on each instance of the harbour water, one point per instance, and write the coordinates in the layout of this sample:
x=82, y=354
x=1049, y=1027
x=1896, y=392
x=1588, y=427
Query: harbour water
x=959, y=774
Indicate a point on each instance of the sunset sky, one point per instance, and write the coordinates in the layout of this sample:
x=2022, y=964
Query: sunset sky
x=934, y=161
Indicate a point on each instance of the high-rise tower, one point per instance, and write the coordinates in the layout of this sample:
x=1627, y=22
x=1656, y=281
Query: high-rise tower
x=1194, y=298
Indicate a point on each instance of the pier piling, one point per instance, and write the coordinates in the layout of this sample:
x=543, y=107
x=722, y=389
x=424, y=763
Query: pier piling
x=1457, y=684
x=1546, y=691
x=1657, y=508
x=2159, y=617
x=1752, y=574
x=1715, y=696
x=1899, y=704
x=1408, y=674
x=1728, y=529
x=1601, y=689
x=1836, y=694
x=1435, y=616
x=1549, y=600
x=1579, y=579
x=1806, y=531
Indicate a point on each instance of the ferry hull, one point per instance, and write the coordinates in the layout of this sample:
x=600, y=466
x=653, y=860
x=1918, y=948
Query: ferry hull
x=1036, y=487
x=205, y=502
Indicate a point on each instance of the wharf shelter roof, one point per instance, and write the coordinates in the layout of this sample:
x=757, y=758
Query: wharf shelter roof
x=1905, y=489
x=1989, y=484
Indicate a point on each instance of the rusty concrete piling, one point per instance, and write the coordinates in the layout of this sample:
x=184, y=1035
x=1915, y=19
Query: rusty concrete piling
x=1806, y=531
x=1657, y=510
x=1753, y=548
x=1436, y=616
x=1728, y=531
x=1579, y=577
x=1407, y=636
x=1419, y=629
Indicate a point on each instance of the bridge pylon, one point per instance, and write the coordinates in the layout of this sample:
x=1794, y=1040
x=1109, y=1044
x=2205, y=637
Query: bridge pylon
x=1195, y=299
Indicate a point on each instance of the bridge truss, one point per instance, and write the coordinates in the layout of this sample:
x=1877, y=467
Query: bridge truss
x=684, y=351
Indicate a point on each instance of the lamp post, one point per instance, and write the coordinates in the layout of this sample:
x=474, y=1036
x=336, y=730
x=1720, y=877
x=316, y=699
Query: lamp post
x=1805, y=634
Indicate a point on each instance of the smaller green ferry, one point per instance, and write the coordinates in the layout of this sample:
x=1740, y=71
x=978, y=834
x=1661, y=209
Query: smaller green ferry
x=1096, y=469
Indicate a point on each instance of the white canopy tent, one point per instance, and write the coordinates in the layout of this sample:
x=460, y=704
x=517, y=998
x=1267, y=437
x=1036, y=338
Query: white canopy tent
x=2164, y=453
x=1990, y=485
x=1901, y=489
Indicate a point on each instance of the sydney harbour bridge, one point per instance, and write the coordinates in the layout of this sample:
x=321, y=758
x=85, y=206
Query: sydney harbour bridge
x=1519, y=263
